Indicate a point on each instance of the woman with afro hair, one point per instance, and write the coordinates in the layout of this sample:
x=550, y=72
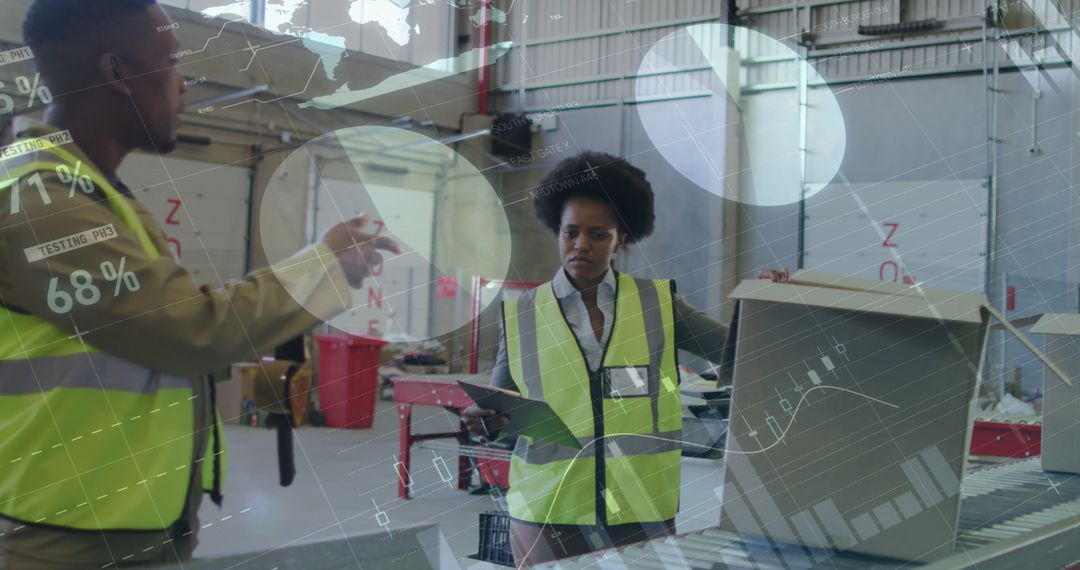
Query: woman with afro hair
x=600, y=348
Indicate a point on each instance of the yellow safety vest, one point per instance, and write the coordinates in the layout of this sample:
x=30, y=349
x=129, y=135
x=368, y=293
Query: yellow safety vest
x=88, y=440
x=627, y=416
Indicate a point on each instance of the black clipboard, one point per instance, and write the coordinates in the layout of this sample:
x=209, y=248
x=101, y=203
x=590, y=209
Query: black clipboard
x=530, y=418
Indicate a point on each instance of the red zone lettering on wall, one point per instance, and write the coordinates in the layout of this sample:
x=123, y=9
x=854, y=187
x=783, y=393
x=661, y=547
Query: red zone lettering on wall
x=171, y=220
x=889, y=270
x=375, y=296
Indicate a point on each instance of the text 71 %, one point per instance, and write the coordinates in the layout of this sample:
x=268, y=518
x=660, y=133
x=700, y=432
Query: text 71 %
x=86, y=292
x=73, y=179
x=31, y=88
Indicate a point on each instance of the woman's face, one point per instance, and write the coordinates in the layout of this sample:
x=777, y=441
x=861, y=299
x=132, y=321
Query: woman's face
x=588, y=239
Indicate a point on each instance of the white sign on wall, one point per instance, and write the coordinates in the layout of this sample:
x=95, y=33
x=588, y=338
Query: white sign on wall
x=927, y=232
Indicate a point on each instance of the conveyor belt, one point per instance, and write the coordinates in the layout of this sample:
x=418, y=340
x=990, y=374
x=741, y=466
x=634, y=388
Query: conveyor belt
x=1013, y=499
x=713, y=548
x=1005, y=511
x=1012, y=516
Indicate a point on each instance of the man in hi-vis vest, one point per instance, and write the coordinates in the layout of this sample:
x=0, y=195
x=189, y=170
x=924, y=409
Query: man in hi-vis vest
x=108, y=435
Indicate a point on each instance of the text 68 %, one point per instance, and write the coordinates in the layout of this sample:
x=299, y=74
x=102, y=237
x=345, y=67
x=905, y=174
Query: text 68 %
x=74, y=179
x=86, y=293
x=31, y=88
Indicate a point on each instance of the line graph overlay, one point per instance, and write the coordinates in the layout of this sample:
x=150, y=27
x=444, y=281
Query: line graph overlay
x=298, y=93
x=795, y=412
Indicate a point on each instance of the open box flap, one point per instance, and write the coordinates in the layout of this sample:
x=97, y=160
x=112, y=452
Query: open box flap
x=1028, y=344
x=854, y=294
x=1058, y=323
x=963, y=307
x=1030, y=347
x=1018, y=322
x=819, y=279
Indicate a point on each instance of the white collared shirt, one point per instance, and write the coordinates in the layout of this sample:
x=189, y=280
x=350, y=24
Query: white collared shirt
x=578, y=316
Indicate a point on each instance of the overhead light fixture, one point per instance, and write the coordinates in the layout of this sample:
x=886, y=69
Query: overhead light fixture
x=919, y=27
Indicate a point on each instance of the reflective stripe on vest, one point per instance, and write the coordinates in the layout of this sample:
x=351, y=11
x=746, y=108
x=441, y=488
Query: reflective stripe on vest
x=639, y=448
x=88, y=440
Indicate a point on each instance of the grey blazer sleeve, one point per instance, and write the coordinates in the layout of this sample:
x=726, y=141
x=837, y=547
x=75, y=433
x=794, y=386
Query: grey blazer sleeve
x=698, y=333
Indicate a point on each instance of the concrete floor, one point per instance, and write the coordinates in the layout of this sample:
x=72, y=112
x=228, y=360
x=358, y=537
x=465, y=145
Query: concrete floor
x=345, y=478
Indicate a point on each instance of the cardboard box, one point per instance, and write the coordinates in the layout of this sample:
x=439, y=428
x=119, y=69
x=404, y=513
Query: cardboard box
x=851, y=414
x=1061, y=402
x=263, y=384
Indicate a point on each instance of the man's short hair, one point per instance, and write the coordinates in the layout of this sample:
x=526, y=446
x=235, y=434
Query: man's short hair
x=52, y=22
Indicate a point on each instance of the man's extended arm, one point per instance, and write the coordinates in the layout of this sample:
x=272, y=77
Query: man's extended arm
x=169, y=324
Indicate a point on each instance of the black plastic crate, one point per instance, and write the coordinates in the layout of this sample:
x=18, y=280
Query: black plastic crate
x=495, y=538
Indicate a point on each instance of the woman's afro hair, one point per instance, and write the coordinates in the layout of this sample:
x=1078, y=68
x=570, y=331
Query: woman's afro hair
x=604, y=178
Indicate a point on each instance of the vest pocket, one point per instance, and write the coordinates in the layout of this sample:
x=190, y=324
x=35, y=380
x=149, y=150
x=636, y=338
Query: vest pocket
x=643, y=488
x=626, y=382
x=629, y=403
x=628, y=416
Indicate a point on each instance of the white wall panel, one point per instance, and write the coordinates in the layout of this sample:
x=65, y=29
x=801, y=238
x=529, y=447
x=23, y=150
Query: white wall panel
x=931, y=232
x=202, y=207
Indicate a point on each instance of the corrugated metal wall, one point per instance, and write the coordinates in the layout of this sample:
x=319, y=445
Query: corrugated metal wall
x=936, y=128
x=586, y=51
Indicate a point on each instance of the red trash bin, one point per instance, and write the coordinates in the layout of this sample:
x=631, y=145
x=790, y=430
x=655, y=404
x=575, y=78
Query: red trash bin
x=348, y=379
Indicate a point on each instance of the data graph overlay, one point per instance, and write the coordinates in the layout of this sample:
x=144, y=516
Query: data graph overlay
x=849, y=428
